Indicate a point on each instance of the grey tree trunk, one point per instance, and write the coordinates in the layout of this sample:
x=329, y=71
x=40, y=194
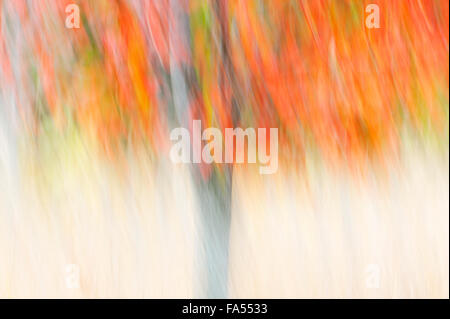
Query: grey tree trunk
x=213, y=193
x=214, y=196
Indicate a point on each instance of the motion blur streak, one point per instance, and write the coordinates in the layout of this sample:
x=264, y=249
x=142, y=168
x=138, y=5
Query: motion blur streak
x=359, y=204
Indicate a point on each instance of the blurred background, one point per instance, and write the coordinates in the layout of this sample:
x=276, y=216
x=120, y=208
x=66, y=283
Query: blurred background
x=92, y=207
